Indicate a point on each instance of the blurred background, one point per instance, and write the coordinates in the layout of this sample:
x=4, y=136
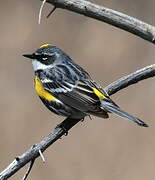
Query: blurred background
x=94, y=149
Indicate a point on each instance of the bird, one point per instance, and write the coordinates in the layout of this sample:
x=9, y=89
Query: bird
x=66, y=89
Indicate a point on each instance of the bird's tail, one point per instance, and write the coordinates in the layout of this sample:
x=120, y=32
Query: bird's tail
x=113, y=108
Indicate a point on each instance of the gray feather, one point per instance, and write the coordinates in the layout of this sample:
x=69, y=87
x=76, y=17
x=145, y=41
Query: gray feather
x=110, y=107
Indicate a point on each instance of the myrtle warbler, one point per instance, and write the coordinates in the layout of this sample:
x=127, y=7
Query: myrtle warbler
x=67, y=89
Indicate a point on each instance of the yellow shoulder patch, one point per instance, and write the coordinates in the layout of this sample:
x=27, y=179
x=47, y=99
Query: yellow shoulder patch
x=99, y=94
x=41, y=91
x=45, y=45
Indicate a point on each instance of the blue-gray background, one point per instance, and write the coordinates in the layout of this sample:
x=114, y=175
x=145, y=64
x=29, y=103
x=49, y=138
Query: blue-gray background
x=94, y=149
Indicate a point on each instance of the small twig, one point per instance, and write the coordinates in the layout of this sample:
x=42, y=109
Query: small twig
x=42, y=156
x=54, y=8
x=29, y=169
x=40, y=11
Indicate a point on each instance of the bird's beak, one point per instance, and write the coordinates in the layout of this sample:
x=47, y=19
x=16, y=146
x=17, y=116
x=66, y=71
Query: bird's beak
x=30, y=56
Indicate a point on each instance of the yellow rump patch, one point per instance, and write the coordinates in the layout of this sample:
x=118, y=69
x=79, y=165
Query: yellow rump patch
x=99, y=94
x=45, y=45
x=41, y=91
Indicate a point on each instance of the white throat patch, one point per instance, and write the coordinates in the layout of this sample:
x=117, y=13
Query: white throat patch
x=38, y=65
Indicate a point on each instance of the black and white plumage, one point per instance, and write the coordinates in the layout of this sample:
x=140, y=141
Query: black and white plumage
x=67, y=89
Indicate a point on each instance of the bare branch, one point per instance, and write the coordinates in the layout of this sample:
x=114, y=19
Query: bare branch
x=42, y=156
x=40, y=11
x=33, y=152
x=147, y=72
x=109, y=16
x=29, y=169
x=51, y=12
x=67, y=124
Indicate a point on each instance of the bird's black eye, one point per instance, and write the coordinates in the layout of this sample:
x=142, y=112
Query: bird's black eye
x=41, y=57
x=44, y=58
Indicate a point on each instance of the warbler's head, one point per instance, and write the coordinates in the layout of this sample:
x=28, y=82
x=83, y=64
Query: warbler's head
x=45, y=57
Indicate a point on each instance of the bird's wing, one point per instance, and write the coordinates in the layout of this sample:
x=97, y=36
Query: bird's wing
x=83, y=95
x=75, y=89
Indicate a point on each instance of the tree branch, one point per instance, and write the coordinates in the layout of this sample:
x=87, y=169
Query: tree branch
x=147, y=72
x=109, y=16
x=29, y=169
x=67, y=124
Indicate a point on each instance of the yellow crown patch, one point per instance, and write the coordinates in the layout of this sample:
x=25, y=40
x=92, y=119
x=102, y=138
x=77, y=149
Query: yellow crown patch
x=45, y=45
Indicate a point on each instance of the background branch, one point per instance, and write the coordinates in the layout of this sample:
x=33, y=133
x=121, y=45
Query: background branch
x=67, y=124
x=147, y=72
x=109, y=16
